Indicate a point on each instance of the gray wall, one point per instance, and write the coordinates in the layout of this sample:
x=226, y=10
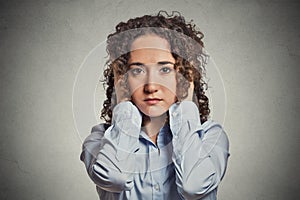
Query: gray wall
x=255, y=45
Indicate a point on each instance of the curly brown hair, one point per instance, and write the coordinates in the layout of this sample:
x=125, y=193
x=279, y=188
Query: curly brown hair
x=186, y=46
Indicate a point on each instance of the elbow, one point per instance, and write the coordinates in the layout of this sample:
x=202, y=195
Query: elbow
x=110, y=180
x=194, y=190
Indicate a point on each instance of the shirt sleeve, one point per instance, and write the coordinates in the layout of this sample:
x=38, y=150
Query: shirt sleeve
x=200, y=152
x=109, y=154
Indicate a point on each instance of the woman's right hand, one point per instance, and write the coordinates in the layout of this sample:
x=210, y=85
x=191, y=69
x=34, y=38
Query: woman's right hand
x=121, y=89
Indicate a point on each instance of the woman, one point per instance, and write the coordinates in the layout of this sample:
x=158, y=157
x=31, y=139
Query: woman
x=157, y=142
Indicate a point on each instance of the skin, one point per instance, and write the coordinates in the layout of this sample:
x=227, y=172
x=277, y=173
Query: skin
x=152, y=81
x=152, y=77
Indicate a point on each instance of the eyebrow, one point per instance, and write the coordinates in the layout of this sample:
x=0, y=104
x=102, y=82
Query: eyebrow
x=159, y=63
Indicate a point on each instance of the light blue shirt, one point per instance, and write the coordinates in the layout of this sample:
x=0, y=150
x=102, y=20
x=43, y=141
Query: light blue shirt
x=188, y=161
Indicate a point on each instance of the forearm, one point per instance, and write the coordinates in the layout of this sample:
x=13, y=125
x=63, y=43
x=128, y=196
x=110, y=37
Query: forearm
x=110, y=159
x=200, y=151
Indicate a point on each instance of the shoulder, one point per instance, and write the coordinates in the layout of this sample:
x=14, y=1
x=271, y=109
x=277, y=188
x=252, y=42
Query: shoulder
x=99, y=128
x=211, y=124
x=212, y=128
x=97, y=132
x=213, y=131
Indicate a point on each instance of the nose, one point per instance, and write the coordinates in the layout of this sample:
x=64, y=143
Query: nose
x=150, y=88
x=151, y=85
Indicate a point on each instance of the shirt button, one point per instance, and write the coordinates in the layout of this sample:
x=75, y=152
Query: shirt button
x=156, y=187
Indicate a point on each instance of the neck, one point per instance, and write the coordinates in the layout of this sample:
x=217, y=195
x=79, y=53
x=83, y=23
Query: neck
x=152, y=125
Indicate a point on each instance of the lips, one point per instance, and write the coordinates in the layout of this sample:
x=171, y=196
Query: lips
x=152, y=101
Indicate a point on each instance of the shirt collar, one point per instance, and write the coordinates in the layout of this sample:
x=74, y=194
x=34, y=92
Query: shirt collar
x=164, y=136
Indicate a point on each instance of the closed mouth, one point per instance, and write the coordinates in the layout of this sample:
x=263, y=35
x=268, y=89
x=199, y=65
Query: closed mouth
x=152, y=100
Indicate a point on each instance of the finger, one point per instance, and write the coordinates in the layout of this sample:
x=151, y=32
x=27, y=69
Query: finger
x=122, y=90
x=116, y=77
x=190, y=92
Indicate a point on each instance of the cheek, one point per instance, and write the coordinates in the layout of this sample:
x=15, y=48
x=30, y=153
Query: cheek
x=170, y=93
x=170, y=84
x=136, y=90
x=171, y=98
x=134, y=85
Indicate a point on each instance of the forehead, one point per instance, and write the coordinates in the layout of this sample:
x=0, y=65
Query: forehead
x=150, y=41
x=150, y=49
x=148, y=56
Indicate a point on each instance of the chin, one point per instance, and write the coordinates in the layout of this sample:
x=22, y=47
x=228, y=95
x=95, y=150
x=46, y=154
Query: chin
x=153, y=112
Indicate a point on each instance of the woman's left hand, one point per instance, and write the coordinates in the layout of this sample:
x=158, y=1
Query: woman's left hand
x=190, y=92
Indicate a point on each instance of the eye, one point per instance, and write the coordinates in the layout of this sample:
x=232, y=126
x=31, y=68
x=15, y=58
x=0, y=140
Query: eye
x=166, y=70
x=136, y=71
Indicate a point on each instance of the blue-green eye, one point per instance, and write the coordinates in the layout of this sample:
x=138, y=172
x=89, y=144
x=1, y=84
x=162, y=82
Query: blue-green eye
x=165, y=70
x=136, y=71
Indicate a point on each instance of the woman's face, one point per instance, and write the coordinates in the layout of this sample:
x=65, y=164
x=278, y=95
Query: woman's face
x=151, y=75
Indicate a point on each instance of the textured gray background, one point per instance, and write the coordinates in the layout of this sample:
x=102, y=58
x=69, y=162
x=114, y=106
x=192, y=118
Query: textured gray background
x=42, y=44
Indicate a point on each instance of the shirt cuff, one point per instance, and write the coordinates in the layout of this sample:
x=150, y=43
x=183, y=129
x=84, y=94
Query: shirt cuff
x=127, y=115
x=184, y=112
x=125, y=129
